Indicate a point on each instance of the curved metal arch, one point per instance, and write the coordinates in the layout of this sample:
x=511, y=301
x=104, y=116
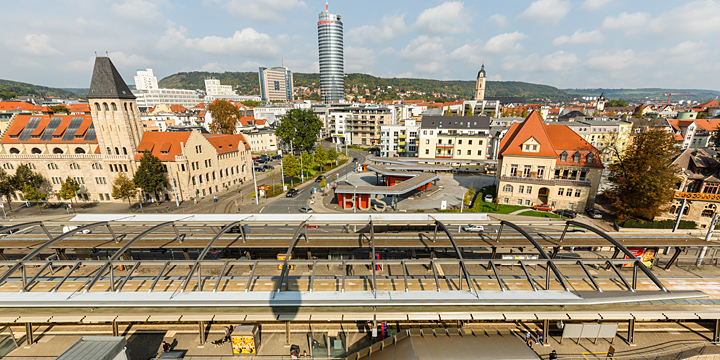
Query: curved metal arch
x=204, y=252
x=537, y=246
x=622, y=248
x=44, y=246
x=31, y=223
x=286, y=269
x=122, y=251
x=459, y=255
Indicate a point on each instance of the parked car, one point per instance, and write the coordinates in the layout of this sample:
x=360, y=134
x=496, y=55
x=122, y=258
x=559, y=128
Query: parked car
x=292, y=193
x=488, y=198
x=593, y=213
x=275, y=157
x=319, y=178
x=261, y=161
x=567, y=213
x=306, y=209
x=259, y=169
x=543, y=207
x=269, y=167
x=473, y=228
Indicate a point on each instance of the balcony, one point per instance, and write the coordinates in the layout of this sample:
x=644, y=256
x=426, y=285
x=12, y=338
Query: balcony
x=402, y=136
x=446, y=146
x=401, y=150
x=532, y=180
x=401, y=143
x=438, y=156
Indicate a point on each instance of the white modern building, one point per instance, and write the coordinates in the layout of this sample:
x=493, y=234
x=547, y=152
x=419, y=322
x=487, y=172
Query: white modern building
x=214, y=90
x=399, y=140
x=149, y=95
x=276, y=84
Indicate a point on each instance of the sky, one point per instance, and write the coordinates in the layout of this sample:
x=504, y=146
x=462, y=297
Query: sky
x=563, y=43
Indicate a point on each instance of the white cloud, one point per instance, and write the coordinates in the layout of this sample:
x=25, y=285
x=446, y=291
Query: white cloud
x=500, y=20
x=579, y=37
x=38, y=45
x=359, y=59
x=546, y=11
x=389, y=28
x=139, y=11
x=698, y=18
x=626, y=21
x=246, y=42
x=262, y=10
x=615, y=60
x=504, y=42
x=427, y=53
x=596, y=4
x=447, y=18
x=557, y=61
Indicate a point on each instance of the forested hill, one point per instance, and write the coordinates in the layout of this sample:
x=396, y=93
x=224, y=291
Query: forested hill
x=648, y=94
x=11, y=89
x=248, y=83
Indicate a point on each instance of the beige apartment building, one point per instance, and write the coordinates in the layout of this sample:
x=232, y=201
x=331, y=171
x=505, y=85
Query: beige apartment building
x=261, y=141
x=357, y=124
x=547, y=164
x=461, y=138
x=94, y=148
x=276, y=84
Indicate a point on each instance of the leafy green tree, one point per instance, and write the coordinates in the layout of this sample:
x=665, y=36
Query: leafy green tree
x=151, y=175
x=273, y=176
x=225, y=117
x=332, y=155
x=715, y=139
x=616, y=103
x=31, y=193
x=644, y=176
x=60, y=109
x=69, y=189
x=307, y=162
x=524, y=113
x=25, y=175
x=299, y=128
x=320, y=156
x=291, y=167
x=7, y=186
x=124, y=187
x=469, y=112
x=448, y=112
x=469, y=196
x=251, y=103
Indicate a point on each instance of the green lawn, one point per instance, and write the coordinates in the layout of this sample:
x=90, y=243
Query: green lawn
x=540, y=214
x=483, y=207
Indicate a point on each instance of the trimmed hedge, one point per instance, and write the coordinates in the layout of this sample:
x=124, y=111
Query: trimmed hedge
x=662, y=224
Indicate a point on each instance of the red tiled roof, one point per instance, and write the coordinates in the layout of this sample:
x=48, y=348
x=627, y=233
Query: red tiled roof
x=19, y=124
x=199, y=106
x=18, y=105
x=166, y=145
x=78, y=108
x=178, y=109
x=553, y=140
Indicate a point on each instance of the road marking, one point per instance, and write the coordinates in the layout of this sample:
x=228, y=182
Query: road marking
x=261, y=209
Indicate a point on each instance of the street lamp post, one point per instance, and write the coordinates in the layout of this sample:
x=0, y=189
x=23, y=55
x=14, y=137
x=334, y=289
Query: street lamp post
x=257, y=201
x=355, y=200
x=282, y=171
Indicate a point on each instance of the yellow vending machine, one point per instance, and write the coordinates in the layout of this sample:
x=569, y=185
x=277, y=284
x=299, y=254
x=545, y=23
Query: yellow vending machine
x=245, y=339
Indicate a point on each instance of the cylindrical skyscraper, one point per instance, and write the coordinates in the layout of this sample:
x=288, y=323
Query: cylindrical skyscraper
x=330, y=46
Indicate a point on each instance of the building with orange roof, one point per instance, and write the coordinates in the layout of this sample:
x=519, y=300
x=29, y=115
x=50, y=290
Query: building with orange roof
x=8, y=109
x=692, y=132
x=547, y=164
x=95, y=147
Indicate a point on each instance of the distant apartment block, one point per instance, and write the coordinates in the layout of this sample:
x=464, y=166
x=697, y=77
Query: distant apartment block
x=462, y=138
x=399, y=140
x=276, y=84
x=149, y=95
x=214, y=91
x=357, y=124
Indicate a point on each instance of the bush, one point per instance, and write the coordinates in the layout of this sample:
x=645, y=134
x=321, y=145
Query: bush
x=662, y=224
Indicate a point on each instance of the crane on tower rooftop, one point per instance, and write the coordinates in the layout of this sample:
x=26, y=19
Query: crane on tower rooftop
x=671, y=94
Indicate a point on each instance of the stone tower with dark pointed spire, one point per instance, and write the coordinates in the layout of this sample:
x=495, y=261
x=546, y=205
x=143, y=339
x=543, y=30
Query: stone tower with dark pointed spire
x=114, y=110
x=480, y=84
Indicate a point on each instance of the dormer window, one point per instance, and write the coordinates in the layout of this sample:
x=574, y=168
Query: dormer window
x=590, y=158
x=576, y=157
x=563, y=156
